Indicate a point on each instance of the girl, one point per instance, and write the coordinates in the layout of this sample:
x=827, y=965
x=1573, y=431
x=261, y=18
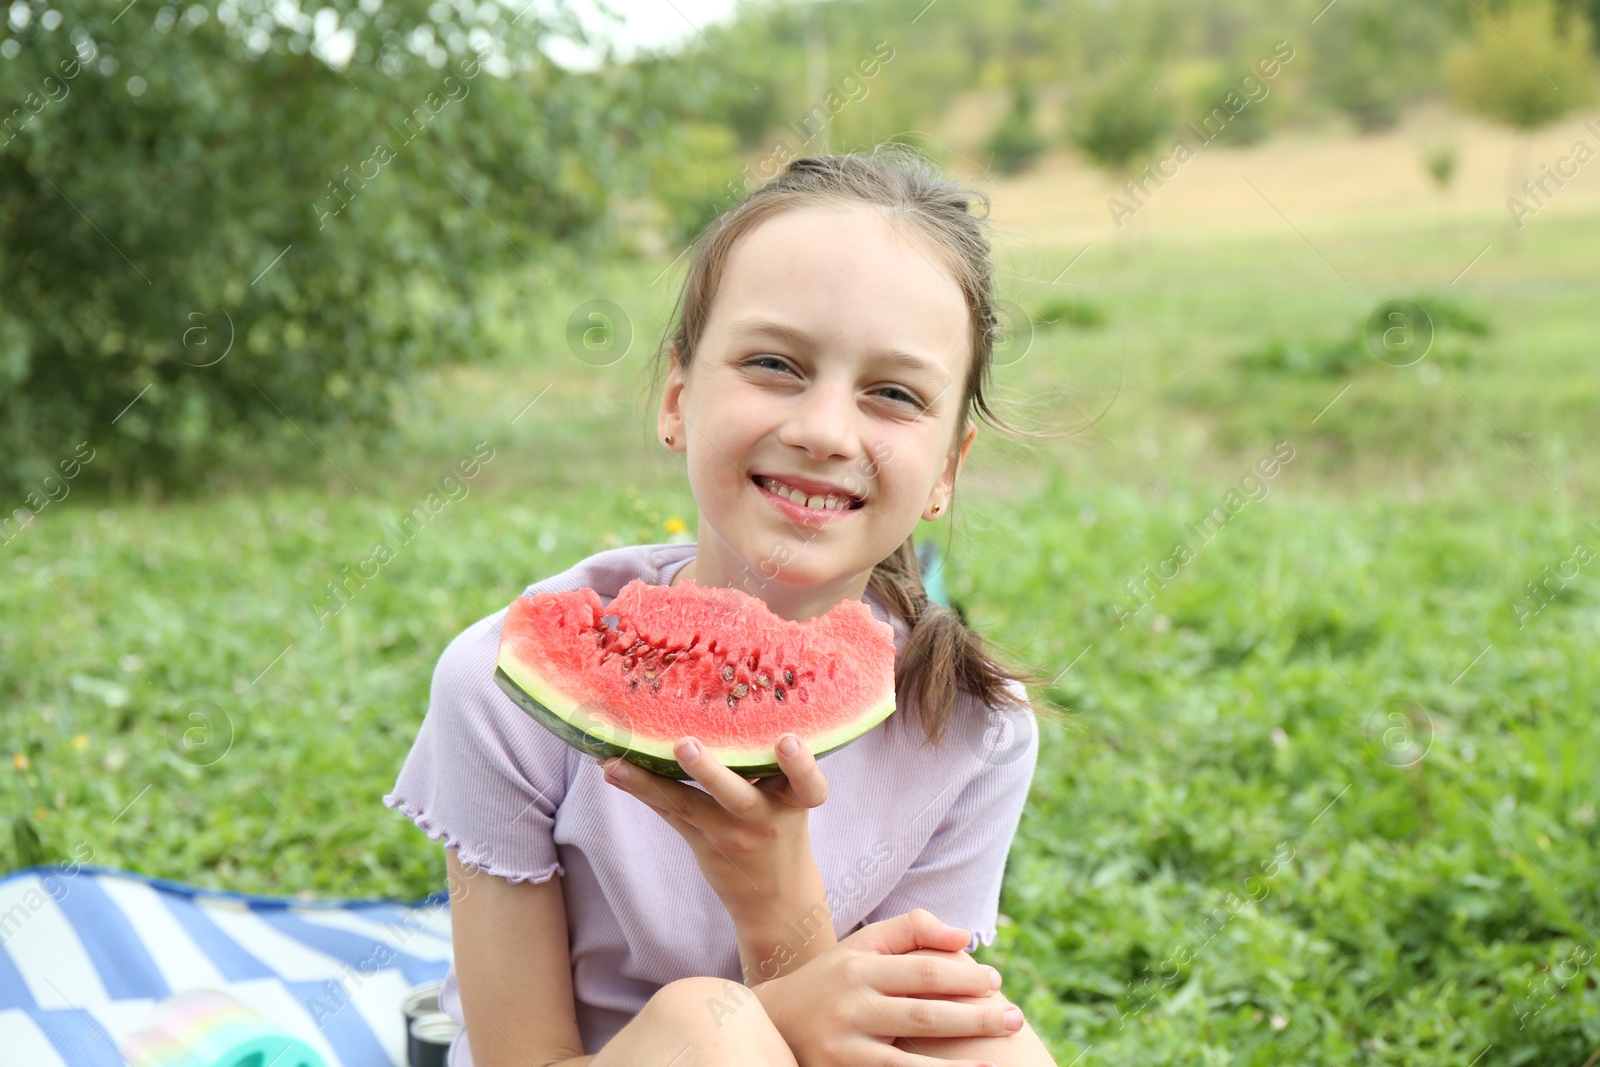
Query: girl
x=836, y=330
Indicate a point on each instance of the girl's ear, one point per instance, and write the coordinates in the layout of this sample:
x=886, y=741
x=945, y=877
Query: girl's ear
x=945, y=486
x=669, y=421
x=953, y=471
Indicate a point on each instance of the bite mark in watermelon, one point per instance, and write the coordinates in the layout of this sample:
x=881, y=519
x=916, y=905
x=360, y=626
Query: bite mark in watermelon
x=660, y=662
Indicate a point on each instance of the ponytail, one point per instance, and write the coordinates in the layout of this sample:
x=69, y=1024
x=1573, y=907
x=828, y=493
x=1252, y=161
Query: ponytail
x=941, y=654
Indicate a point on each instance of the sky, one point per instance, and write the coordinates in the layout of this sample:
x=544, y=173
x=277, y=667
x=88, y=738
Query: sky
x=633, y=25
x=651, y=23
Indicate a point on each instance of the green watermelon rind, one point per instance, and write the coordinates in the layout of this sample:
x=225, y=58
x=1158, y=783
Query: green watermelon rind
x=560, y=715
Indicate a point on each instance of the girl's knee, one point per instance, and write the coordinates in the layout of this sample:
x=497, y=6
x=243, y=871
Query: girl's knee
x=720, y=1018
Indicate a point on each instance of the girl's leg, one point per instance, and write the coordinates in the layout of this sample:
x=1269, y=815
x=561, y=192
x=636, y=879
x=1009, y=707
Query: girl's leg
x=698, y=1022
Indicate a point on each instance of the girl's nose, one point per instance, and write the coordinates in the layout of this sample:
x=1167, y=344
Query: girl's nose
x=823, y=420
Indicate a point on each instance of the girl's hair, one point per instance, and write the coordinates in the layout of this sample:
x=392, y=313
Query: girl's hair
x=940, y=652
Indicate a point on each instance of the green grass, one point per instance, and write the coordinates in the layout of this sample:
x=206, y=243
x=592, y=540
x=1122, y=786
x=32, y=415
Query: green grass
x=1410, y=905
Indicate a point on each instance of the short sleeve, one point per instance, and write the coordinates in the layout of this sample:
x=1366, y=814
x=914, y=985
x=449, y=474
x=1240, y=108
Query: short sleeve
x=482, y=775
x=957, y=876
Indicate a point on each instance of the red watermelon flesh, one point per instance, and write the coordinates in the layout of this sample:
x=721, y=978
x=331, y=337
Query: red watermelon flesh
x=660, y=662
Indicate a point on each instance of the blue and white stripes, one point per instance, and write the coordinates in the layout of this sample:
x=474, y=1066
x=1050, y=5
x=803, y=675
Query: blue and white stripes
x=87, y=953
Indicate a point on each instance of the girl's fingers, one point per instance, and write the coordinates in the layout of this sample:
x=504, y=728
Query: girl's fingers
x=801, y=785
x=726, y=788
x=806, y=786
x=917, y=928
x=917, y=974
x=666, y=795
x=914, y=1017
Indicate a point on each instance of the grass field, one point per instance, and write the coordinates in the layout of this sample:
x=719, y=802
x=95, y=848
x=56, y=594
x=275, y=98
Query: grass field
x=1326, y=795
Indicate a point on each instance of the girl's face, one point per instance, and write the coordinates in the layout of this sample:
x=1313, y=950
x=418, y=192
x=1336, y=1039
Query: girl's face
x=835, y=357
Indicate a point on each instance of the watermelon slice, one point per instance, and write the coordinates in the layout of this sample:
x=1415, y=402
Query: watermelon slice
x=631, y=677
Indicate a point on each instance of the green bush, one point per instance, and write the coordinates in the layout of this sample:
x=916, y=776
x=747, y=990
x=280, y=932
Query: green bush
x=177, y=290
x=1529, y=68
x=1120, y=121
x=1015, y=144
x=1248, y=126
x=1372, y=57
x=1079, y=312
x=1450, y=320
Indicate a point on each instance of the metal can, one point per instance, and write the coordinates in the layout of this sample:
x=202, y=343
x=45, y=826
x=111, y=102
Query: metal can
x=421, y=1000
x=430, y=1037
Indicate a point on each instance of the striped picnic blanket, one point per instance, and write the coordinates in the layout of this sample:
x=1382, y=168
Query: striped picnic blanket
x=86, y=954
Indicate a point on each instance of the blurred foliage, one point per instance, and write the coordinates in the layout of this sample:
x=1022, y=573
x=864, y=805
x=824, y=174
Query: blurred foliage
x=1443, y=319
x=1440, y=160
x=1371, y=57
x=694, y=183
x=1121, y=121
x=1251, y=123
x=1080, y=312
x=1527, y=66
x=1016, y=143
x=328, y=229
x=112, y=322
x=1591, y=10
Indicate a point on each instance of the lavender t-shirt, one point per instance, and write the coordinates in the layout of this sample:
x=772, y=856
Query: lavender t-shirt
x=905, y=825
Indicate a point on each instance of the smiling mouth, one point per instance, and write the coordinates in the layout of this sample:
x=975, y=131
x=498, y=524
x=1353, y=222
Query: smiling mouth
x=828, y=502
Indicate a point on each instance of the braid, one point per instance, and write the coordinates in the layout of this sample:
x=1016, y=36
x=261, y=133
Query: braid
x=941, y=654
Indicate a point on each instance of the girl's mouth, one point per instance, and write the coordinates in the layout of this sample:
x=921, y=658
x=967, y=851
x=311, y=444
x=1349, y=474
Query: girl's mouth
x=799, y=507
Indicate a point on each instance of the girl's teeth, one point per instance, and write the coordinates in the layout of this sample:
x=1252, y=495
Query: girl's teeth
x=828, y=503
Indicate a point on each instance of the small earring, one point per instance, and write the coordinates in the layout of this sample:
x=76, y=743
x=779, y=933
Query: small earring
x=669, y=438
x=936, y=508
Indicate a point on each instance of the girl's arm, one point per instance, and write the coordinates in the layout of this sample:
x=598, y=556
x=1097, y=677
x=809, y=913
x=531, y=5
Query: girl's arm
x=751, y=842
x=513, y=969
x=779, y=934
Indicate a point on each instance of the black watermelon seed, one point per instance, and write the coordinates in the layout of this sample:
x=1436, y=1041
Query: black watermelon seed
x=788, y=676
x=777, y=694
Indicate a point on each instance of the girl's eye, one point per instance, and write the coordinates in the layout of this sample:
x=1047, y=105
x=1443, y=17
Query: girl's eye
x=772, y=360
x=901, y=395
x=893, y=392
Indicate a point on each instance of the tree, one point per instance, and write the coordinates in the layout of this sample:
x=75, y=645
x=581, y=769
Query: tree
x=1015, y=144
x=1372, y=56
x=228, y=231
x=1120, y=121
x=1440, y=162
x=1525, y=70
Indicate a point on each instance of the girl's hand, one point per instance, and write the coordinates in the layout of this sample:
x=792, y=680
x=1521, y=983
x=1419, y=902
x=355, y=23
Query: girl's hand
x=850, y=1005
x=748, y=836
